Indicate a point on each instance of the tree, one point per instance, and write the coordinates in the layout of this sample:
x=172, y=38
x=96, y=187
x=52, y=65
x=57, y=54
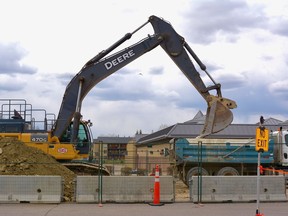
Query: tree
x=163, y=126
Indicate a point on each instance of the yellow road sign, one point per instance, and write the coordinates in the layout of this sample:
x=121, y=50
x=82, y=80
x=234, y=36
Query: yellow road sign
x=262, y=139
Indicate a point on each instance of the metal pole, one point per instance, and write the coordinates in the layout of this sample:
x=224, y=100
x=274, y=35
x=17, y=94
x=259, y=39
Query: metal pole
x=99, y=165
x=258, y=184
x=100, y=174
x=258, y=167
x=201, y=165
x=198, y=177
x=147, y=166
x=77, y=114
x=113, y=166
x=199, y=171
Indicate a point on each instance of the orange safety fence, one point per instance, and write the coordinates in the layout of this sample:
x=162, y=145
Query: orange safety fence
x=271, y=169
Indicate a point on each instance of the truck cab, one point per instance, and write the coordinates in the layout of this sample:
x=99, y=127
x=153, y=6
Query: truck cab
x=280, y=151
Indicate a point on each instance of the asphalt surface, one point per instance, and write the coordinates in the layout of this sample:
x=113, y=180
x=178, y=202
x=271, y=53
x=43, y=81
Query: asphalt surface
x=175, y=209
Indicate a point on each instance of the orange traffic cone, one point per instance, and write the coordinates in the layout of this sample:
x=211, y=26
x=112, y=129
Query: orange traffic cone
x=156, y=200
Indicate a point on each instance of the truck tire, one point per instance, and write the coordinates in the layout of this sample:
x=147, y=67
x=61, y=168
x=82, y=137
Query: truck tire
x=228, y=171
x=194, y=172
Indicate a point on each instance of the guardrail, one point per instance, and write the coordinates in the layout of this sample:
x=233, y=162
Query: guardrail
x=237, y=188
x=31, y=189
x=123, y=189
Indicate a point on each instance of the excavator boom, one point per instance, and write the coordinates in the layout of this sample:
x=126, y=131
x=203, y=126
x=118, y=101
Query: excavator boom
x=218, y=114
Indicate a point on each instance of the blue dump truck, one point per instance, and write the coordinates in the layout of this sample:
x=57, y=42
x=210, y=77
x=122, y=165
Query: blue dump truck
x=228, y=156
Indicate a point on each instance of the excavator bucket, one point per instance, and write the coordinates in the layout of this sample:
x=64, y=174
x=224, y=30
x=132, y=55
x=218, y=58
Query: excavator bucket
x=218, y=115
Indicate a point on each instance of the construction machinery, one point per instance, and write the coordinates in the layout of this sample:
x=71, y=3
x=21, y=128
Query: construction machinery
x=69, y=137
x=229, y=157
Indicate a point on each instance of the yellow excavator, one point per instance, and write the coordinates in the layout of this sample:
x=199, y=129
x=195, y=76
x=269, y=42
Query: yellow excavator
x=68, y=138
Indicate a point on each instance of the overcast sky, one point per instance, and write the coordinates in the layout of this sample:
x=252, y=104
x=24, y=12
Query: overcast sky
x=243, y=43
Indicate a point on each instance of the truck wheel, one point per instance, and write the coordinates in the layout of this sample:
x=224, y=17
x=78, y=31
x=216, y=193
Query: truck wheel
x=228, y=171
x=194, y=172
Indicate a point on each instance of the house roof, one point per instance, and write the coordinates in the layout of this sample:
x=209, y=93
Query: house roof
x=199, y=118
x=113, y=140
x=273, y=121
x=191, y=130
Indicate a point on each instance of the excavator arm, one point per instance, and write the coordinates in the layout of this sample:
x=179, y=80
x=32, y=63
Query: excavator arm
x=218, y=114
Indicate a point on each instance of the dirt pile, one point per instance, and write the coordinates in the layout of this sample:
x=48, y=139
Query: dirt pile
x=181, y=192
x=18, y=159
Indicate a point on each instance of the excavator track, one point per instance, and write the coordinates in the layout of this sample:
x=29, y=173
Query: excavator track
x=85, y=168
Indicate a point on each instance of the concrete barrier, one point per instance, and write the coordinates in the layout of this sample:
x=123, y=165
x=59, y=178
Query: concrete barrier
x=238, y=188
x=123, y=189
x=31, y=189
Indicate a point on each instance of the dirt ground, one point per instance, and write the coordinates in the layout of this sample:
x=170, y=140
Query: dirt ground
x=181, y=192
x=18, y=159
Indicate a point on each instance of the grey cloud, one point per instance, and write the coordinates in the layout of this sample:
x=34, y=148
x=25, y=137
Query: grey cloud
x=156, y=71
x=250, y=102
x=110, y=82
x=135, y=87
x=122, y=95
x=279, y=88
x=65, y=78
x=124, y=71
x=232, y=81
x=118, y=88
x=11, y=84
x=267, y=58
x=10, y=57
x=209, y=18
x=9, y=87
x=62, y=78
x=190, y=99
x=212, y=67
x=279, y=26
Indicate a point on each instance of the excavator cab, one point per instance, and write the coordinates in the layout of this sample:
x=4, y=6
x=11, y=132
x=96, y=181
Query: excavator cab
x=83, y=141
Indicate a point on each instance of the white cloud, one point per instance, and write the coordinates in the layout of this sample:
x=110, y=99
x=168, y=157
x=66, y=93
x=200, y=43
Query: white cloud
x=123, y=115
x=279, y=88
x=8, y=83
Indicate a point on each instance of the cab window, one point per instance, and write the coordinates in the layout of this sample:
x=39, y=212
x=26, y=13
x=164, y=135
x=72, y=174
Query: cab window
x=286, y=139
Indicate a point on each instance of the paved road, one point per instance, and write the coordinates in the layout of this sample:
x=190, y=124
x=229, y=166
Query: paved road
x=176, y=209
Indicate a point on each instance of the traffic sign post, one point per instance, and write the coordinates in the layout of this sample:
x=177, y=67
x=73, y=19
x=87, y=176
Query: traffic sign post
x=261, y=145
x=258, y=186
